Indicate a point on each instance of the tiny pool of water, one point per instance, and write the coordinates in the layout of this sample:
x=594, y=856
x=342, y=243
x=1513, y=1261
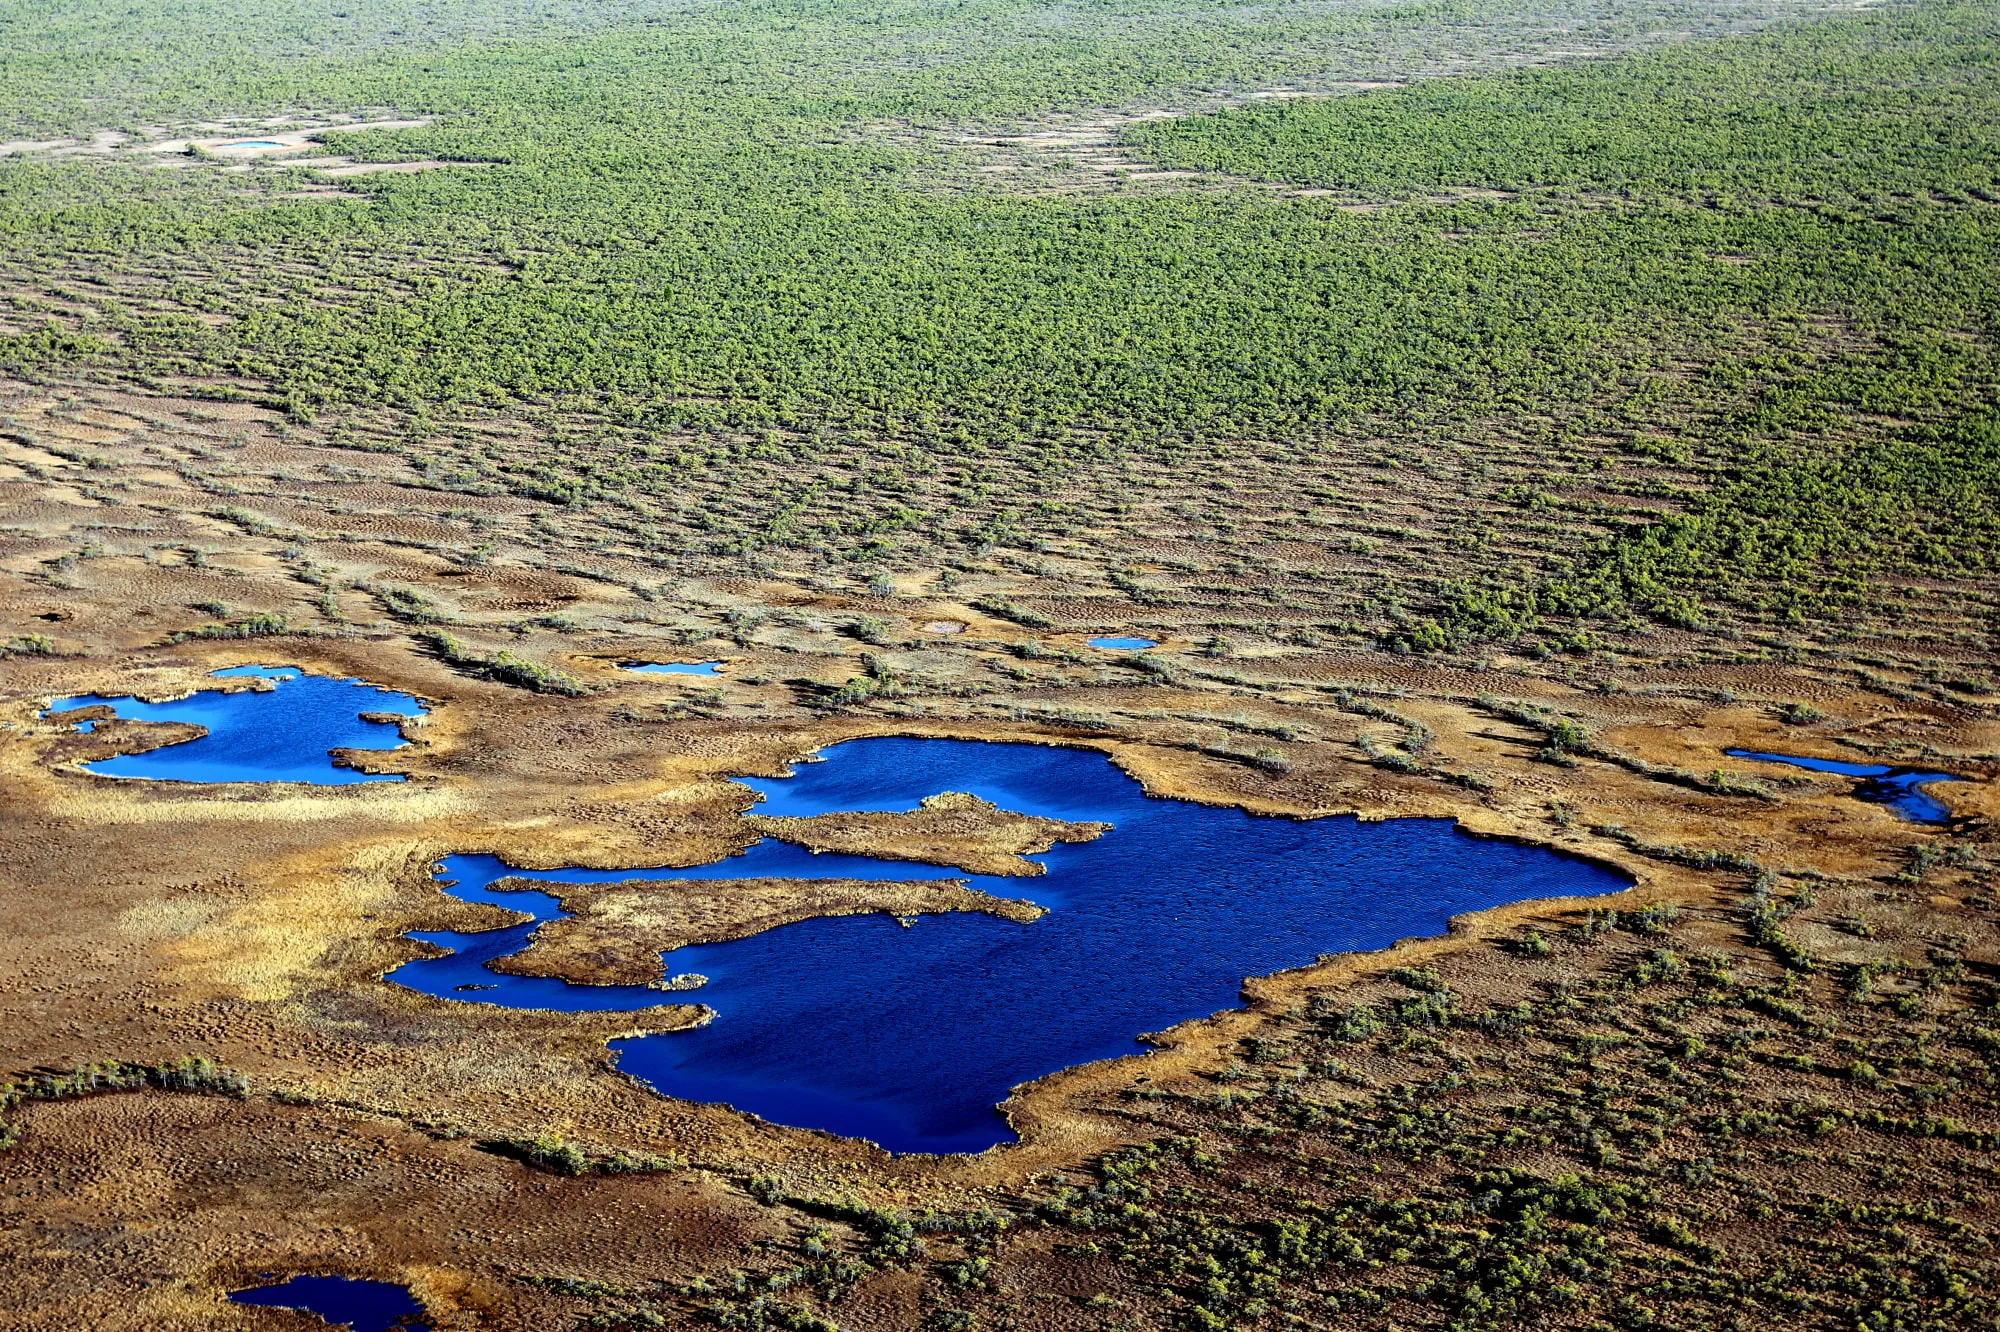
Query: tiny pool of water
x=365, y=1306
x=1901, y=789
x=675, y=667
x=282, y=734
x=910, y=1036
x=1124, y=644
x=252, y=143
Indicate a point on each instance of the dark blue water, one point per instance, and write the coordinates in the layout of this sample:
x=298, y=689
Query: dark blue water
x=676, y=667
x=1901, y=789
x=277, y=735
x=911, y=1036
x=365, y=1306
x=1123, y=644
x=252, y=143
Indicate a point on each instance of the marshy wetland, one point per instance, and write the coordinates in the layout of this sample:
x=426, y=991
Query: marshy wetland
x=909, y=1029
x=999, y=667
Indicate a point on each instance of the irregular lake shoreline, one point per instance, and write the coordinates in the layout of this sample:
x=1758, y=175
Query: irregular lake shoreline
x=836, y=1023
x=292, y=726
x=646, y=796
x=615, y=933
x=816, y=1004
x=350, y=1302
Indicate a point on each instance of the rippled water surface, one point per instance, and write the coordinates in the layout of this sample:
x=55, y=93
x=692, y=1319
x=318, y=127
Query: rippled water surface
x=911, y=1036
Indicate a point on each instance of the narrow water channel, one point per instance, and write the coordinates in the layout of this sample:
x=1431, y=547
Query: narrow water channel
x=1901, y=789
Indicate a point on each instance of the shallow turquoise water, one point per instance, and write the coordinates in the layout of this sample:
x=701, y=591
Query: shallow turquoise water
x=911, y=1036
x=676, y=667
x=1116, y=644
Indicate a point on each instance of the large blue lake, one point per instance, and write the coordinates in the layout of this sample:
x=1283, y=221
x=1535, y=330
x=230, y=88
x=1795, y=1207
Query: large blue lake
x=910, y=1036
x=281, y=734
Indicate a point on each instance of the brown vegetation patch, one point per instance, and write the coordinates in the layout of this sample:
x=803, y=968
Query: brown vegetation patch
x=948, y=829
x=616, y=932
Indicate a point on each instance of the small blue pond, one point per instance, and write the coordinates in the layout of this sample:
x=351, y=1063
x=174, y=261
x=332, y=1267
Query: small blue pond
x=252, y=143
x=1901, y=789
x=365, y=1306
x=283, y=734
x=1124, y=644
x=911, y=1036
x=676, y=667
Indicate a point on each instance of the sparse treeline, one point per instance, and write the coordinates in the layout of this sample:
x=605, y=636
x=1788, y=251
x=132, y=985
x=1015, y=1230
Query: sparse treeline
x=725, y=236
